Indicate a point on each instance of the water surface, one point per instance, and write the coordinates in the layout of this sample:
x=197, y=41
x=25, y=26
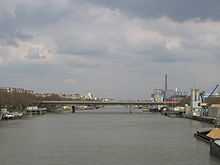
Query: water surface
x=107, y=137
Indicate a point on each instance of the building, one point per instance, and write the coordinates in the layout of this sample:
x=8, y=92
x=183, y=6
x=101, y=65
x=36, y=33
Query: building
x=214, y=110
x=195, y=102
x=214, y=106
x=157, y=95
x=90, y=96
x=17, y=90
x=44, y=94
x=75, y=96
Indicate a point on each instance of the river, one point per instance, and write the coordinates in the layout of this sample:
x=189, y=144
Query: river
x=108, y=136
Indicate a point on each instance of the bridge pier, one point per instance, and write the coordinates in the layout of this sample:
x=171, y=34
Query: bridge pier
x=73, y=109
x=130, y=109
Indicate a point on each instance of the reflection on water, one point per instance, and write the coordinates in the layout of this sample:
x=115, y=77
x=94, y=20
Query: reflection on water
x=108, y=136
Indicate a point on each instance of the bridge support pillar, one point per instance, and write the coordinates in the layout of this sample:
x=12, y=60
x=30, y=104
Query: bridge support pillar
x=73, y=109
x=130, y=109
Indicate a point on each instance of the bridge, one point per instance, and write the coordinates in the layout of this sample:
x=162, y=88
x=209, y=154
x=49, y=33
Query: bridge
x=89, y=102
x=110, y=103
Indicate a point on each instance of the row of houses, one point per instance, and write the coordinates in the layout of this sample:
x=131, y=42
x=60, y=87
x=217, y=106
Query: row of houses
x=72, y=96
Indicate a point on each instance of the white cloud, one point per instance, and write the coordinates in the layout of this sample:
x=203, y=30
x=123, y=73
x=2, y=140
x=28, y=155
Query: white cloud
x=25, y=52
x=173, y=44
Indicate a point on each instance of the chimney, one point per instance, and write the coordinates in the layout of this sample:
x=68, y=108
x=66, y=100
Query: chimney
x=165, y=87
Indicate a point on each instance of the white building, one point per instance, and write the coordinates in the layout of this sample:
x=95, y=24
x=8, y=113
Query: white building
x=196, y=102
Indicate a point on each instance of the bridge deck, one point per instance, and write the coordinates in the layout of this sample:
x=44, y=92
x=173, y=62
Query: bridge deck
x=107, y=103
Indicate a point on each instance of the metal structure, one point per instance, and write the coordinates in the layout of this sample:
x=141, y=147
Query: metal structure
x=213, y=91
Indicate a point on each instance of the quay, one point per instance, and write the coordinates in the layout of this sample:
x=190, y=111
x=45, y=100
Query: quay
x=173, y=113
x=206, y=119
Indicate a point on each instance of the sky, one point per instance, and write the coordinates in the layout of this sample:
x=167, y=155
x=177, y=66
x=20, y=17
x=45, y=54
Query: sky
x=117, y=48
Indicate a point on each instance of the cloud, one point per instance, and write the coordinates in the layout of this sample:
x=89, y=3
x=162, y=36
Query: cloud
x=25, y=52
x=92, y=30
x=80, y=62
x=175, y=9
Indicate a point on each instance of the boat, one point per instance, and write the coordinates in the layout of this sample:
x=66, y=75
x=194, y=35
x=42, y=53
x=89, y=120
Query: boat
x=86, y=107
x=202, y=135
x=8, y=116
x=145, y=110
x=35, y=110
x=18, y=115
x=208, y=135
x=5, y=114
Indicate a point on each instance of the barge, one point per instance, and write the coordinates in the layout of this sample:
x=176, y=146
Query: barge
x=202, y=135
x=208, y=135
x=215, y=148
x=211, y=136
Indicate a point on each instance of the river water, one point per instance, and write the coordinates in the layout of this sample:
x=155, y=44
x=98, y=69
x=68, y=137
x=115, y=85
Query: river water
x=106, y=137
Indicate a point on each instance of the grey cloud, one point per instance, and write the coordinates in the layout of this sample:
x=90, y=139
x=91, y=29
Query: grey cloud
x=23, y=19
x=10, y=31
x=81, y=63
x=74, y=48
x=163, y=57
x=176, y=9
x=36, y=16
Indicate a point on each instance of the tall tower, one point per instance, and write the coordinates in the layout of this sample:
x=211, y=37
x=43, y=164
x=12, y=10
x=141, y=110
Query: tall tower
x=165, y=87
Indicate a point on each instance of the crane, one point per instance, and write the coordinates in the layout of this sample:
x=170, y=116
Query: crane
x=211, y=93
x=213, y=90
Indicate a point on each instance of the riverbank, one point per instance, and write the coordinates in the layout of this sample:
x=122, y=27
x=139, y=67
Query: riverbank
x=12, y=115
